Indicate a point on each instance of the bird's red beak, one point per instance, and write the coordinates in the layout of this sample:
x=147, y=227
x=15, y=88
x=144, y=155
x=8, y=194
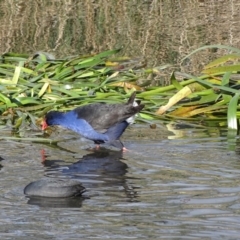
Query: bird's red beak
x=44, y=124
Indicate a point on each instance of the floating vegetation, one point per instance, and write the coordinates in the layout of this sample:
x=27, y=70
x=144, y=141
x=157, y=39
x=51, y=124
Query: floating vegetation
x=30, y=86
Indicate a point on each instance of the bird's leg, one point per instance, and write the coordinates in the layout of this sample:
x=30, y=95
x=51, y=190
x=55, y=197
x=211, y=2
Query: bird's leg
x=118, y=144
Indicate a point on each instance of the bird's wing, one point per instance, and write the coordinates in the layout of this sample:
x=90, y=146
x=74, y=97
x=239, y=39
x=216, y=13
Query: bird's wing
x=102, y=116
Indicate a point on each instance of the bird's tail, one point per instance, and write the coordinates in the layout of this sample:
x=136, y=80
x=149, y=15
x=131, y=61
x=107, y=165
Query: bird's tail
x=132, y=98
x=136, y=107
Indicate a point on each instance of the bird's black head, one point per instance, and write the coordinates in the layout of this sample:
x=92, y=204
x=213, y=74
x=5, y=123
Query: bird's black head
x=51, y=118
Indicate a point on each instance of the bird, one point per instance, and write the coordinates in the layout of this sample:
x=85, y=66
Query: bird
x=99, y=122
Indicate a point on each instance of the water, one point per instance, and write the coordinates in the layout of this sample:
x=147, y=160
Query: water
x=183, y=188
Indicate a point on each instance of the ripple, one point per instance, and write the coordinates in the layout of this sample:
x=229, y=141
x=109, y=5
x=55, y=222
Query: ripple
x=169, y=188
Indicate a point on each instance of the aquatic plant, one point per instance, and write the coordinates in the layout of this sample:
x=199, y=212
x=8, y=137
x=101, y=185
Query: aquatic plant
x=32, y=85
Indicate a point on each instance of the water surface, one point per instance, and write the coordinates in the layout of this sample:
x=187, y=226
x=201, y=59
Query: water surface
x=183, y=188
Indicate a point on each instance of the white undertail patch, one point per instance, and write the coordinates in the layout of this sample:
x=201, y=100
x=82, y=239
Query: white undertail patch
x=131, y=119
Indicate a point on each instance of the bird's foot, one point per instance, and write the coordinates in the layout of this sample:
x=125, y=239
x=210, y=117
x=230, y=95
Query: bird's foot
x=124, y=149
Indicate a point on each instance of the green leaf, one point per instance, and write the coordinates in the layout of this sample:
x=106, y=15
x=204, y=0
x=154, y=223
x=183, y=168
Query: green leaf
x=232, y=112
x=206, y=83
x=43, y=89
x=222, y=60
x=62, y=90
x=28, y=100
x=146, y=116
x=213, y=46
x=175, y=83
x=225, y=79
x=16, y=74
x=107, y=53
x=5, y=99
x=222, y=69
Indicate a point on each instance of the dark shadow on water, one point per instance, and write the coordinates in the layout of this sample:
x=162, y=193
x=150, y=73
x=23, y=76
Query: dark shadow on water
x=75, y=202
x=1, y=166
x=101, y=170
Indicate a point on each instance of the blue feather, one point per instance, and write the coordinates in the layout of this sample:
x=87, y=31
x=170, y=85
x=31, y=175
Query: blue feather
x=69, y=120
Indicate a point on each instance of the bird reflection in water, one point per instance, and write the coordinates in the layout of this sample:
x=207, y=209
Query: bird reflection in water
x=1, y=166
x=99, y=171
